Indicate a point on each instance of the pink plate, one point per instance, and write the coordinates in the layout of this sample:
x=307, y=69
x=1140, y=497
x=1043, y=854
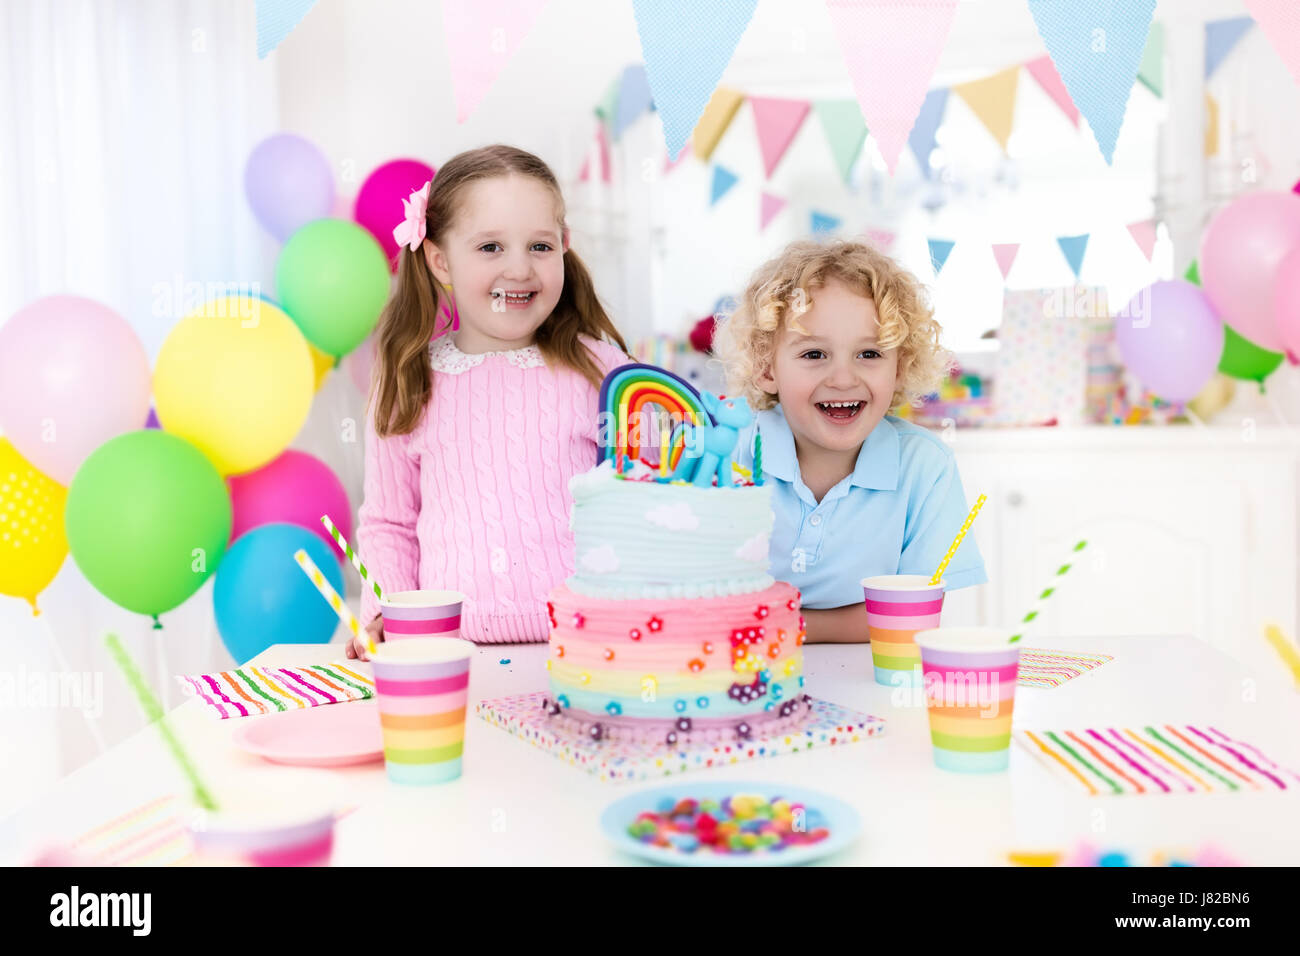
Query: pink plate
x=332, y=735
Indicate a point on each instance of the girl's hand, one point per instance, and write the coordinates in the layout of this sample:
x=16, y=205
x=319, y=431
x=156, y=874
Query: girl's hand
x=357, y=646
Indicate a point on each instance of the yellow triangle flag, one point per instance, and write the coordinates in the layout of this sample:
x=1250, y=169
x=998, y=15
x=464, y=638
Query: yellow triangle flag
x=994, y=101
x=714, y=121
x=1211, y=125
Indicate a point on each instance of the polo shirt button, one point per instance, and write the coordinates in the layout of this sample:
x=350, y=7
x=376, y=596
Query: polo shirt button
x=815, y=520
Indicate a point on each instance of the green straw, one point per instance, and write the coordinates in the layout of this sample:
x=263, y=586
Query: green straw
x=1046, y=593
x=153, y=710
x=355, y=558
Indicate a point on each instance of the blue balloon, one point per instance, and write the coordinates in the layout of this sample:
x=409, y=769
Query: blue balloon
x=261, y=597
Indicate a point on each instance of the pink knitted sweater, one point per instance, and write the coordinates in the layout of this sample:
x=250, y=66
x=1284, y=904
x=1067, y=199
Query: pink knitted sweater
x=476, y=498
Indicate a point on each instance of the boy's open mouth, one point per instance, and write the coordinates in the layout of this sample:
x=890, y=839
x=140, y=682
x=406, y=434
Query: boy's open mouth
x=840, y=412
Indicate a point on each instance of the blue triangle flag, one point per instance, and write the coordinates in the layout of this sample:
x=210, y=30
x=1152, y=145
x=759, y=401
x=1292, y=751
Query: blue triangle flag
x=1073, y=247
x=1096, y=48
x=1220, y=37
x=723, y=180
x=633, y=98
x=276, y=20
x=686, y=46
x=822, y=223
x=921, y=139
x=939, y=250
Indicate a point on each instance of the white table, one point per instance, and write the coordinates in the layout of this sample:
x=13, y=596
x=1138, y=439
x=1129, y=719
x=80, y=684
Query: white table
x=517, y=804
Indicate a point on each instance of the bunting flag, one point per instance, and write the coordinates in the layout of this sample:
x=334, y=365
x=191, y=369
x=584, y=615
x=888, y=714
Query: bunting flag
x=714, y=122
x=723, y=180
x=1045, y=73
x=670, y=164
x=686, y=44
x=1144, y=234
x=845, y=131
x=921, y=139
x=482, y=37
x=891, y=48
x=1073, y=247
x=770, y=206
x=1005, y=254
x=1211, y=125
x=1097, y=48
x=1151, y=71
x=882, y=239
x=606, y=166
x=777, y=122
x=633, y=99
x=993, y=100
x=276, y=20
x=608, y=106
x=1280, y=21
x=939, y=252
x=1220, y=37
x=823, y=224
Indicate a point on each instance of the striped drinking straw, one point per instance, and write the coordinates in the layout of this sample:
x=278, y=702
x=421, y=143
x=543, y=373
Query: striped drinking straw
x=355, y=558
x=330, y=595
x=1046, y=593
x=961, y=533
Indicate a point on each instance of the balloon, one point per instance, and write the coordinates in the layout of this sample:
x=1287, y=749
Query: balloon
x=296, y=488
x=1170, y=339
x=1241, y=358
x=320, y=366
x=73, y=374
x=261, y=597
x=1241, y=251
x=331, y=277
x=1286, y=301
x=360, y=362
x=379, y=201
x=234, y=378
x=1214, y=398
x=148, y=518
x=289, y=183
x=32, y=542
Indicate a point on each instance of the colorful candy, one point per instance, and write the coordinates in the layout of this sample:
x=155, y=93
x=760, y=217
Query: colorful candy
x=741, y=824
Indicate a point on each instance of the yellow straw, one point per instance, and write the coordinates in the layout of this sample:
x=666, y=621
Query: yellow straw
x=329, y=594
x=970, y=519
x=1289, y=654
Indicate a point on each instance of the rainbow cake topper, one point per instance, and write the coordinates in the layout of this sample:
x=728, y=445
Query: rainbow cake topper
x=625, y=393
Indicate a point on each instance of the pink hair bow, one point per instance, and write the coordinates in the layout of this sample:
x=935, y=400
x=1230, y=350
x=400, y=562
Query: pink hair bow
x=410, y=231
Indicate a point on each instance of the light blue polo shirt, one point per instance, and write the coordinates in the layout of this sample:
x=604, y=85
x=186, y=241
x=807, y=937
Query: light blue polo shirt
x=897, y=513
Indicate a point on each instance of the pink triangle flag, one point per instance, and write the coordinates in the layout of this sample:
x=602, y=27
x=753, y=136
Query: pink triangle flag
x=1280, y=21
x=1144, y=234
x=882, y=239
x=482, y=37
x=585, y=173
x=770, y=207
x=891, y=48
x=778, y=121
x=1005, y=254
x=670, y=164
x=606, y=172
x=1044, y=71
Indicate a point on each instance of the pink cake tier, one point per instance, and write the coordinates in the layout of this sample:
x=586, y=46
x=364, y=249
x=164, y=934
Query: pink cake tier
x=677, y=670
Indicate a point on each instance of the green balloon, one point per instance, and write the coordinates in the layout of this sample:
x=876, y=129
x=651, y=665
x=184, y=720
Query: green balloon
x=332, y=280
x=1193, y=273
x=1241, y=357
x=148, y=518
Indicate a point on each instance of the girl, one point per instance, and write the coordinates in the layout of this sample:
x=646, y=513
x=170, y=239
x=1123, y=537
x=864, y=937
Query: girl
x=472, y=439
x=826, y=340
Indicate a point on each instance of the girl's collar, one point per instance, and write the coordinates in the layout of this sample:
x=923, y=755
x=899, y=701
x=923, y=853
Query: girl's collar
x=445, y=357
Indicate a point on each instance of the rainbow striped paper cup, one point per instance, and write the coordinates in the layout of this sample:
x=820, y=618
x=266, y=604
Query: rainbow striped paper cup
x=970, y=690
x=422, y=686
x=279, y=818
x=899, y=605
x=410, y=614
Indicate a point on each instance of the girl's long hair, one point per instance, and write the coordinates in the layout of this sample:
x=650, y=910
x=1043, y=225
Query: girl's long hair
x=403, y=377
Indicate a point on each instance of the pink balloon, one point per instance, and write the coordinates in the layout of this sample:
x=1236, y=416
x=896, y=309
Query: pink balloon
x=379, y=203
x=1286, y=302
x=73, y=374
x=296, y=488
x=360, y=361
x=1241, y=250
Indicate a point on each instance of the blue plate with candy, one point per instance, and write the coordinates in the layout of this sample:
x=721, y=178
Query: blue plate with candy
x=730, y=824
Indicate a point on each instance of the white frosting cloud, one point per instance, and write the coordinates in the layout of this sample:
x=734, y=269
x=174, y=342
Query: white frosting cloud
x=753, y=549
x=675, y=517
x=601, y=560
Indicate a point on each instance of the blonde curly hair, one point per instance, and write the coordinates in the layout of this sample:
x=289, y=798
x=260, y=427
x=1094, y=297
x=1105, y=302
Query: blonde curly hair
x=746, y=341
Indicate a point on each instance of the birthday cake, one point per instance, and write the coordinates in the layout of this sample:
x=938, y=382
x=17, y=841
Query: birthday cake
x=670, y=628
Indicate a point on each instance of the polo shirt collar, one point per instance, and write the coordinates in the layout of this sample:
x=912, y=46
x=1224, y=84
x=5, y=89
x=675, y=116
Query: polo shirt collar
x=877, y=464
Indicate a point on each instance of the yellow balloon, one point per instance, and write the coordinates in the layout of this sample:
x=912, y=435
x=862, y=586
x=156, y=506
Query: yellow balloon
x=235, y=379
x=32, y=542
x=1214, y=397
x=321, y=363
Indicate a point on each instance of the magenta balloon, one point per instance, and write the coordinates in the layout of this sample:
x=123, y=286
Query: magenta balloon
x=379, y=203
x=289, y=183
x=73, y=374
x=1171, y=339
x=1286, y=301
x=296, y=488
x=1241, y=250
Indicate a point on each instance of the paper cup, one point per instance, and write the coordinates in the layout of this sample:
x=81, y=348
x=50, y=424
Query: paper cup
x=899, y=605
x=422, y=686
x=409, y=614
x=277, y=818
x=970, y=690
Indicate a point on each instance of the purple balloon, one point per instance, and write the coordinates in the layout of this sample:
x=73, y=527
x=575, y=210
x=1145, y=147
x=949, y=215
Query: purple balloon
x=1170, y=338
x=152, y=420
x=289, y=183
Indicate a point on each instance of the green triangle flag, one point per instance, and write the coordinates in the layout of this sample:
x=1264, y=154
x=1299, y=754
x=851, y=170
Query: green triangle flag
x=607, y=109
x=1151, y=71
x=845, y=131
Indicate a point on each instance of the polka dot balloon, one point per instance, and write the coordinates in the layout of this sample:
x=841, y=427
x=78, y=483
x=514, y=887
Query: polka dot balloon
x=32, y=542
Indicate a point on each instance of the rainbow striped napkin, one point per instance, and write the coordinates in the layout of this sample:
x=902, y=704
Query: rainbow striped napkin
x=249, y=691
x=1043, y=668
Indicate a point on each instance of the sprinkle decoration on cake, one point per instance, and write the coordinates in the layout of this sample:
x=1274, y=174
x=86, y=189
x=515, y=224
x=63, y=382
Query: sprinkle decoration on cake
x=671, y=629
